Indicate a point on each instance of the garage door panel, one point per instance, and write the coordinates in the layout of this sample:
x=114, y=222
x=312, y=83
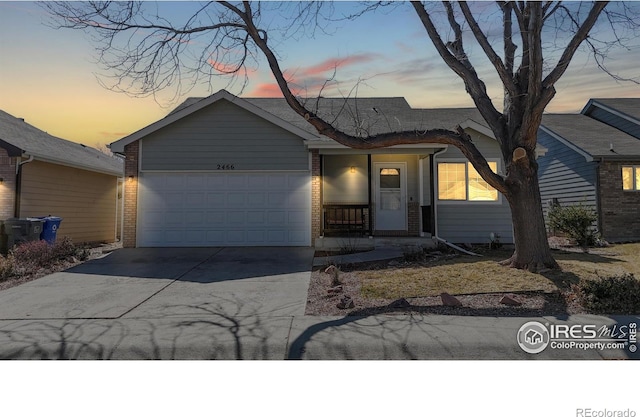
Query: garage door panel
x=224, y=209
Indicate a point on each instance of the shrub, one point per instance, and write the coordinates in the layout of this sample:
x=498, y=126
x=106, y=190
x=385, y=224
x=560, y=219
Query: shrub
x=576, y=221
x=611, y=295
x=33, y=255
x=7, y=267
x=63, y=249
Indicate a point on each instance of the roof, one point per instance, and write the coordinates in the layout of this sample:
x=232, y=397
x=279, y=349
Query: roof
x=355, y=116
x=20, y=138
x=629, y=107
x=590, y=136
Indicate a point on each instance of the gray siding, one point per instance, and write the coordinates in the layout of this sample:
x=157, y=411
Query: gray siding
x=626, y=126
x=565, y=174
x=223, y=134
x=472, y=222
x=341, y=186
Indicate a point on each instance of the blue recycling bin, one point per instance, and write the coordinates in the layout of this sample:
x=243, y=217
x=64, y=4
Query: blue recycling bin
x=50, y=228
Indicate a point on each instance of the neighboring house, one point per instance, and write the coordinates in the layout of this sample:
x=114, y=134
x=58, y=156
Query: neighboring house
x=225, y=170
x=595, y=164
x=621, y=113
x=44, y=175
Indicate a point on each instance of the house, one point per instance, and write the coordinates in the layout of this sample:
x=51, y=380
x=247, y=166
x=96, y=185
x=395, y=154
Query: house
x=43, y=175
x=593, y=159
x=621, y=113
x=225, y=170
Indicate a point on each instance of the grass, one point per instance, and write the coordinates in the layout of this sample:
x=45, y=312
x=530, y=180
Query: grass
x=473, y=275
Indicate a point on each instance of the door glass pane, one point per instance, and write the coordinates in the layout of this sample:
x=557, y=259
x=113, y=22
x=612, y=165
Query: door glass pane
x=390, y=200
x=389, y=178
x=637, y=178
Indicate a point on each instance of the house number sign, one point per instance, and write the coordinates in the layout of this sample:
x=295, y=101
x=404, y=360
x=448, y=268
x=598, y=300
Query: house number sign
x=226, y=166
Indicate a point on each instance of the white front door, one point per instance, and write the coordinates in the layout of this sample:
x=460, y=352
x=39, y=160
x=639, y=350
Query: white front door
x=391, y=195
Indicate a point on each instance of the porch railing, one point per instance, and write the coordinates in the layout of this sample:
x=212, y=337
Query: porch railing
x=346, y=218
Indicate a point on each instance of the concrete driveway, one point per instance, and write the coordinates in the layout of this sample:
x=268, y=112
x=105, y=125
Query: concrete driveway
x=169, y=282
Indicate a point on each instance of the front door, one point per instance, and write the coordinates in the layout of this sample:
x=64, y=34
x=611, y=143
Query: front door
x=391, y=195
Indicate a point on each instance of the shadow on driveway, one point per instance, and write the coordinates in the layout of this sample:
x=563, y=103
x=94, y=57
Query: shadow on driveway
x=202, y=265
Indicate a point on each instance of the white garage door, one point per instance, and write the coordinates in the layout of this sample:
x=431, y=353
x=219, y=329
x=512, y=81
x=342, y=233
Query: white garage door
x=224, y=209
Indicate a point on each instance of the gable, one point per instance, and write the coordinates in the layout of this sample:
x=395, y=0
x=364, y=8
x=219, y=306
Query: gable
x=223, y=135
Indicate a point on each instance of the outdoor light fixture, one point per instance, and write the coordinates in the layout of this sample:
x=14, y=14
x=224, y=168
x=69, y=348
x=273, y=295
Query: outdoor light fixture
x=130, y=178
x=1, y=180
x=352, y=170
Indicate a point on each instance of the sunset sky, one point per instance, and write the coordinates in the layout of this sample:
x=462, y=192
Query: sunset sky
x=49, y=78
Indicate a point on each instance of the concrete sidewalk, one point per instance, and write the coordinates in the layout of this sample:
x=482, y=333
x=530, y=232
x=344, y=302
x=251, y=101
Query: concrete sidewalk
x=214, y=335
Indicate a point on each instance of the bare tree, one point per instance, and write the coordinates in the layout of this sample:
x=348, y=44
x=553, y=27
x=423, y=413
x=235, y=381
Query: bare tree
x=146, y=52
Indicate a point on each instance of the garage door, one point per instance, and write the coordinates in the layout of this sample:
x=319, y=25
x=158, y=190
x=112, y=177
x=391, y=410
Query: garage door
x=224, y=209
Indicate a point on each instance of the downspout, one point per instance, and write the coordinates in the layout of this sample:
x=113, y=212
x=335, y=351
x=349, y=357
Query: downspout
x=16, y=204
x=435, y=197
x=435, y=215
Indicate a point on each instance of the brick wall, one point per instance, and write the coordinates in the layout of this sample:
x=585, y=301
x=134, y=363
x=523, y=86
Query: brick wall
x=130, y=194
x=8, y=185
x=316, y=196
x=619, y=210
x=414, y=218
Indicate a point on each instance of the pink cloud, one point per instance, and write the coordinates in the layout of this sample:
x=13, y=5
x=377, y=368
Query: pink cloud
x=309, y=80
x=335, y=63
x=266, y=90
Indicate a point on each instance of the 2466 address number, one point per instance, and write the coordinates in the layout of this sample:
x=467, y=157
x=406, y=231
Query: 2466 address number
x=226, y=166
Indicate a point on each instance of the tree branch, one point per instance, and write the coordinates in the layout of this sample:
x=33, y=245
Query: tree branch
x=505, y=76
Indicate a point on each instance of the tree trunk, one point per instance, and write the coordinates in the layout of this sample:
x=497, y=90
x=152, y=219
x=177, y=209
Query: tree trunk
x=532, y=250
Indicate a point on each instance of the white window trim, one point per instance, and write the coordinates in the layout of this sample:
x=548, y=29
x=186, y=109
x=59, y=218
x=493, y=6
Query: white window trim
x=635, y=187
x=464, y=202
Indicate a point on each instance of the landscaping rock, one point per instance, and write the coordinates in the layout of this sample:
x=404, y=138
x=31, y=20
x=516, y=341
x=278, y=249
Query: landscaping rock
x=506, y=300
x=449, y=300
x=345, y=302
x=335, y=290
x=331, y=269
x=400, y=303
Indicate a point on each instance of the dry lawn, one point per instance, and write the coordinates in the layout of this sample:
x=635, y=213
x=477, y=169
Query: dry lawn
x=474, y=275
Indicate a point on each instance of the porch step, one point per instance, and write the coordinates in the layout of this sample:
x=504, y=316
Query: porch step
x=360, y=243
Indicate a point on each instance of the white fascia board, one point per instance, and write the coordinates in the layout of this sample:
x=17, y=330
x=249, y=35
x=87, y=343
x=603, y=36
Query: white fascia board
x=119, y=145
x=335, y=145
x=570, y=145
x=56, y=161
x=480, y=128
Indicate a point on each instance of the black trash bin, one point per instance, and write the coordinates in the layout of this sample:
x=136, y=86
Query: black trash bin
x=21, y=230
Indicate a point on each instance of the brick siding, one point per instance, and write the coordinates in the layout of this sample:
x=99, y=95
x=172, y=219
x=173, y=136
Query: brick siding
x=130, y=194
x=414, y=218
x=8, y=185
x=619, y=210
x=316, y=196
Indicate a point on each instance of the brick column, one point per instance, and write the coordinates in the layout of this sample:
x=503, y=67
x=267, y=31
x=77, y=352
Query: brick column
x=414, y=218
x=316, y=197
x=130, y=194
x=8, y=185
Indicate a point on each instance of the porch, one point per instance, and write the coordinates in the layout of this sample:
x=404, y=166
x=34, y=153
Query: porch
x=375, y=196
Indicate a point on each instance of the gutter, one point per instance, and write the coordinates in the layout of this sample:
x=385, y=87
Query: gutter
x=16, y=206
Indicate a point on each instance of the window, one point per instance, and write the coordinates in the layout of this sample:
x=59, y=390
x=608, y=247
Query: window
x=631, y=178
x=459, y=181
